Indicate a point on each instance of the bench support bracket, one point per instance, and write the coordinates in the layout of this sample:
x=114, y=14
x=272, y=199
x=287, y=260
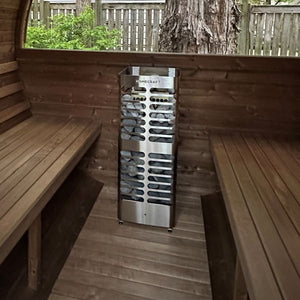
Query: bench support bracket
x=34, y=253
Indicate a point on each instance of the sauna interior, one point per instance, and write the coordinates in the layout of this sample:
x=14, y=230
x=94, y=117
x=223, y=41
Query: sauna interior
x=237, y=188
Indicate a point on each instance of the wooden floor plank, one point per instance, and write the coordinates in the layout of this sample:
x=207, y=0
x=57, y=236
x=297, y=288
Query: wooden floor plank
x=276, y=252
x=138, y=276
x=117, y=257
x=140, y=244
x=133, y=261
x=154, y=234
x=145, y=254
x=124, y=286
x=83, y=291
x=111, y=227
x=60, y=297
x=196, y=234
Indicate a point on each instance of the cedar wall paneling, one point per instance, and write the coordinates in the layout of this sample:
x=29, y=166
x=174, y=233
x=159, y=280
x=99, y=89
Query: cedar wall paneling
x=13, y=108
x=8, y=22
x=216, y=92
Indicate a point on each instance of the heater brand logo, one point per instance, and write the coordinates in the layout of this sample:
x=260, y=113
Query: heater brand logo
x=149, y=81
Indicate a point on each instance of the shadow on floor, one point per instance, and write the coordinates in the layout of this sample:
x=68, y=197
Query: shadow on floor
x=63, y=218
x=220, y=247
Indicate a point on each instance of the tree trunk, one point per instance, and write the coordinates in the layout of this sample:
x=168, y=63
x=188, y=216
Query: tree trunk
x=81, y=5
x=203, y=26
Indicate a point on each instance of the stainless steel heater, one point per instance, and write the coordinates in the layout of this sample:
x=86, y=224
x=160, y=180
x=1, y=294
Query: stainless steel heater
x=147, y=146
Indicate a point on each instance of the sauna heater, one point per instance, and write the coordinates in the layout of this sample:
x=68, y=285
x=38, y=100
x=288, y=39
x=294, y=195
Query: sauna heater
x=147, y=146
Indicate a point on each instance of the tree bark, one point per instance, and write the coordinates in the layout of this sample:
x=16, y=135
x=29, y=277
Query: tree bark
x=81, y=5
x=199, y=26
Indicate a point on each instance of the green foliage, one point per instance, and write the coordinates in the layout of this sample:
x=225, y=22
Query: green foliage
x=71, y=32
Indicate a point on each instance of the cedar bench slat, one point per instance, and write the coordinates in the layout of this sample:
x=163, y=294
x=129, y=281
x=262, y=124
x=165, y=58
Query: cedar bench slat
x=260, y=194
x=35, y=158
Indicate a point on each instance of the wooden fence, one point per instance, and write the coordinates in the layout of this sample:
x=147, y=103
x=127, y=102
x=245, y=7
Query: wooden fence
x=265, y=30
x=270, y=30
x=139, y=22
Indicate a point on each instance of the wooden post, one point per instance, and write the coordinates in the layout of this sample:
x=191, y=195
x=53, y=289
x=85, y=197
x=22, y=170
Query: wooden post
x=35, y=12
x=42, y=12
x=35, y=253
x=244, y=35
x=47, y=14
x=98, y=12
x=240, y=289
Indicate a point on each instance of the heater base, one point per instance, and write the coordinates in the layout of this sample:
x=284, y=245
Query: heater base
x=146, y=213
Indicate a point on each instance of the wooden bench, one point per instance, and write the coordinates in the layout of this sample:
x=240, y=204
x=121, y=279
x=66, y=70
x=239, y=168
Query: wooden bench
x=35, y=158
x=260, y=183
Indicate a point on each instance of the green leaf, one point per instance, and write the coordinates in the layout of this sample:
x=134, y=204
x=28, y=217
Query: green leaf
x=71, y=32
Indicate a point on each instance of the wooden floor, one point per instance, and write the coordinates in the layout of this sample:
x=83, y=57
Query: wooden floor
x=112, y=261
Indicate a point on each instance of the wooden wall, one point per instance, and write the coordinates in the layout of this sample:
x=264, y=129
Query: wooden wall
x=216, y=92
x=13, y=107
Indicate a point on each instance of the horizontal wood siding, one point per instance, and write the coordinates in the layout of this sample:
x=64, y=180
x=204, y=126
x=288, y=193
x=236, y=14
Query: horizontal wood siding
x=8, y=16
x=13, y=107
x=249, y=94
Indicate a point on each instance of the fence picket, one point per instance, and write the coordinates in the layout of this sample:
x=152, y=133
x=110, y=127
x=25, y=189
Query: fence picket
x=149, y=30
x=285, y=37
x=268, y=34
x=259, y=34
x=277, y=34
x=298, y=43
x=141, y=30
x=35, y=12
x=252, y=29
x=294, y=35
x=54, y=12
x=47, y=12
x=155, y=30
x=111, y=23
x=98, y=12
x=125, y=29
x=42, y=12
x=133, y=30
x=118, y=24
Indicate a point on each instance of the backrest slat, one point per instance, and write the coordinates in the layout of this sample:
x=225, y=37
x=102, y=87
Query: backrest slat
x=8, y=67
x=12, y=100
x=11, y=89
